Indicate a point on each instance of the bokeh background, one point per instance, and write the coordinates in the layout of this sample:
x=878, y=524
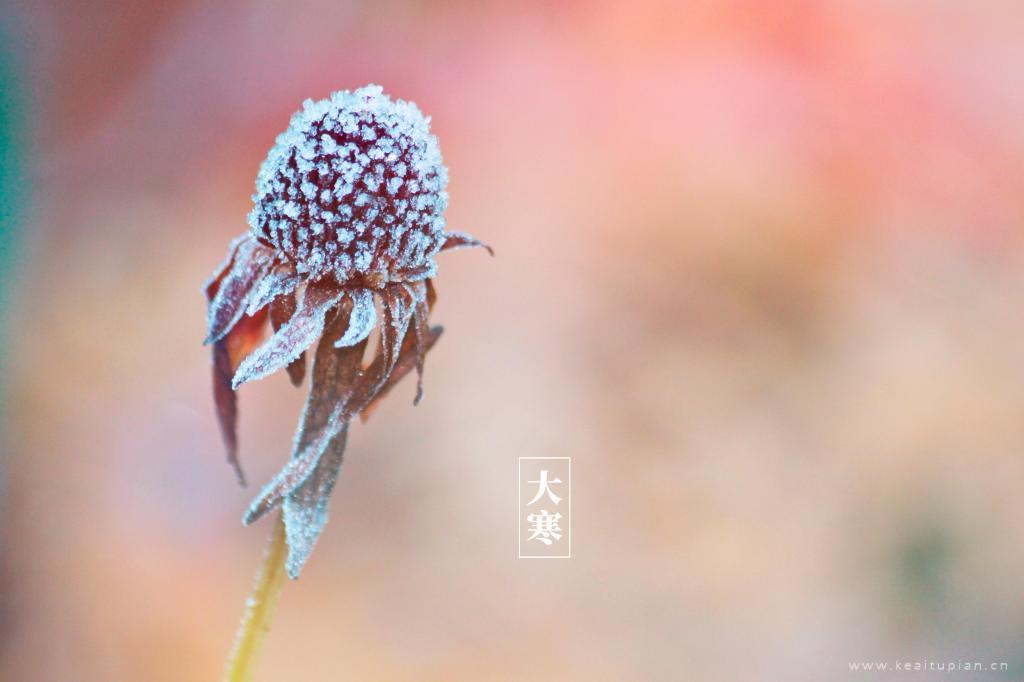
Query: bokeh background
x=760, y=272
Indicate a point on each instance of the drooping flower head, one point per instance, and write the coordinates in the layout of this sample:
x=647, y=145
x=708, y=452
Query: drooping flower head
x=349, y=210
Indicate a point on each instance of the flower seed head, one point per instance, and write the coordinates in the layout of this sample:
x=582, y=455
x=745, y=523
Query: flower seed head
x=355, y=187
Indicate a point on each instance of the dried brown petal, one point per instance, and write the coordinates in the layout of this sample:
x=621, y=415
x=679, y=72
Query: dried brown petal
x=295, y=336
x=431, y=294
x=279, y=281
x=334, y=376
x=398, y=309
x=211, y=285
x=305, y=508
x=362, y=320
x=461, y=240
x=290, y=477
x=227, y=355
x=421, y=330
x=234, y=290
x=405, y=364
x=281, y=310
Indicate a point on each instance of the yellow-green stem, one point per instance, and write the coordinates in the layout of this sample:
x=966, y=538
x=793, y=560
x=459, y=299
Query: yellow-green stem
x=259, y=609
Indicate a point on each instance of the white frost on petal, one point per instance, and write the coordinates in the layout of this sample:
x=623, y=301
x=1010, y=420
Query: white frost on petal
x=228, y=305
x=305, y=508
x=208, y=286
x=276, y=283
x=362, y=320
x=291, y=339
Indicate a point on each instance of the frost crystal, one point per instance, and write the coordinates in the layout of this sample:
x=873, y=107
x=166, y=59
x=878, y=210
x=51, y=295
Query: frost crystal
x=354, y=187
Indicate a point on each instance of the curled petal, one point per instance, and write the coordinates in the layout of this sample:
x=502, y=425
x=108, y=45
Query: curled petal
x=431, y=293
x=281, y=280
x=251, y=262
x=398, y=309
x=323, y=432
x=227, y=405
x=362, y=320
x=421, y=329
x=339, y=389
x=211, y=285
x=336, y=371
x=227, y=354
x=289, y=478
x=305, y=508
x=281, y=310
x=461, y=240
x=405, y=364
x=332, y=382
x=294, y=337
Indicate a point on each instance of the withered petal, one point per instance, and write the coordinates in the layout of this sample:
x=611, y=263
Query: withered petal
x=336, y=373
x=398, y=307
x=250, y=264
x=227, y=354
x=226, y=402
x=305, y=508
x=295, y=336
x=281, y=280
x=212, y=284
x=461, y=240
x=331, y=384
x=421, y=329
x=405, y=364
x=431, y=294
x=290, y=477
x=281, y=310
x=362, y=320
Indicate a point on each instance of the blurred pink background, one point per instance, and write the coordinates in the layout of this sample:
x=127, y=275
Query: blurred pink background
x=759, y=273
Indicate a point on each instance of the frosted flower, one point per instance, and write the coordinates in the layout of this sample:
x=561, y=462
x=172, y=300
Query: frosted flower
x=349, y=211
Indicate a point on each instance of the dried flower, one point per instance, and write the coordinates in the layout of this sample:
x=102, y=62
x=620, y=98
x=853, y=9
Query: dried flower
x=349, y=209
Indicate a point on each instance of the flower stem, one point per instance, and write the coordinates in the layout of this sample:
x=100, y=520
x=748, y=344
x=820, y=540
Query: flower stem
x=259, y=609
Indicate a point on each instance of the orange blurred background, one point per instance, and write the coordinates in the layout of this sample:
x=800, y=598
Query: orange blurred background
x=759, y=272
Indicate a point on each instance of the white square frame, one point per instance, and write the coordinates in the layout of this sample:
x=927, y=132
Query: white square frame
x=519, y=508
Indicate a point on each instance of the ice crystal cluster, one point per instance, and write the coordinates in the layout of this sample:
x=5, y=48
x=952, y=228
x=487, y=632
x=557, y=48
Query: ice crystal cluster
x=349, y=214
x=355, y=185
